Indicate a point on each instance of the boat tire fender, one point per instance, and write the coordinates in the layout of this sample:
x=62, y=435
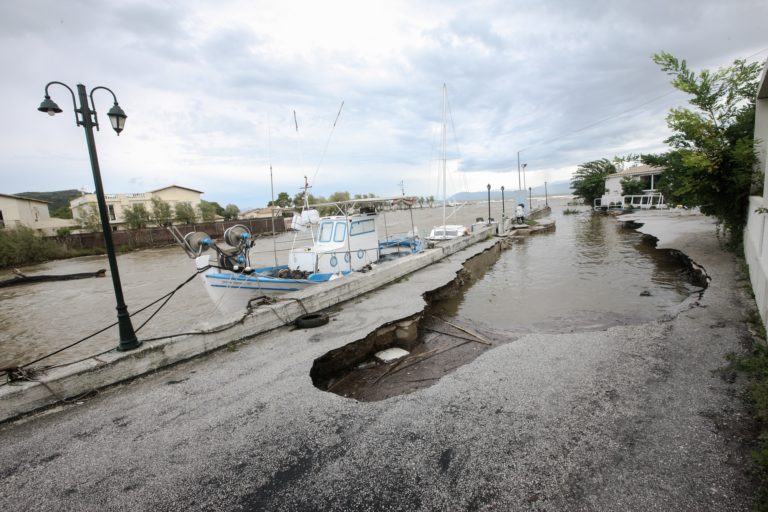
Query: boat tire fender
x=311, y=320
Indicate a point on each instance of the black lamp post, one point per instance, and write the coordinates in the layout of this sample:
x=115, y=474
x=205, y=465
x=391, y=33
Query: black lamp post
x=489, y=204
x=85, y=116
x=546, y=198
x=503, y=210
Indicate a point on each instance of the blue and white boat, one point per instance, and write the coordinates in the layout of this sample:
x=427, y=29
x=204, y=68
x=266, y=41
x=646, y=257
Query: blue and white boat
x=342, y=244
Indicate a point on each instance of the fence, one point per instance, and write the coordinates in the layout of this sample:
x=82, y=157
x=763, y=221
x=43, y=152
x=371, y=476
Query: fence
x=156, y=237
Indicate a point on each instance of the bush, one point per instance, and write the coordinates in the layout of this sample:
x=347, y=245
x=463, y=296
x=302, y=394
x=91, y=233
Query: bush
x=22, y=246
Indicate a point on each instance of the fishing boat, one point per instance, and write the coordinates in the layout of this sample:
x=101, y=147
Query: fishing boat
x=341, y=244
x=446, y=231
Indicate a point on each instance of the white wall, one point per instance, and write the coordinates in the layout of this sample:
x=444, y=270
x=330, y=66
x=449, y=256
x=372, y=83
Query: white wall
x=755, y=235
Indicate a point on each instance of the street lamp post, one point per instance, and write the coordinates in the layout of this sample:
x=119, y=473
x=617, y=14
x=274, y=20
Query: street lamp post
x=530, y=199
x=546, y=198
x=524, y=166
x=489, y=204
x=503, y=210
x=85, y=116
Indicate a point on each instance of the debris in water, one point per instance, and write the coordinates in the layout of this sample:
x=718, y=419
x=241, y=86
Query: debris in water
x=391, y=354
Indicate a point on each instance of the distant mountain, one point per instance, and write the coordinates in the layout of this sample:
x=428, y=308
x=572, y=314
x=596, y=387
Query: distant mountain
x=555, y=188
x=59, y=200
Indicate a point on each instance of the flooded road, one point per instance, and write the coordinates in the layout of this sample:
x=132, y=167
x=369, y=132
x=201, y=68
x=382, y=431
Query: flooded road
x=587, y=274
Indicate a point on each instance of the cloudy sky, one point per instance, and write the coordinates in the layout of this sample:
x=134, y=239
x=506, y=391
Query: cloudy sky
x=210, y=89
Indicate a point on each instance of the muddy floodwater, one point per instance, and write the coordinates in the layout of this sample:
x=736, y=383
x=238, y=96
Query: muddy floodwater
x=587, y=274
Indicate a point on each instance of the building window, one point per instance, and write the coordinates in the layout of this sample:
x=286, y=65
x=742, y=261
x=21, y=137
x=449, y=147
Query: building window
x=111, y=209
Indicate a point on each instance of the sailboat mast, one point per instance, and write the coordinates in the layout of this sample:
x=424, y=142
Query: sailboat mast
x=444, y=144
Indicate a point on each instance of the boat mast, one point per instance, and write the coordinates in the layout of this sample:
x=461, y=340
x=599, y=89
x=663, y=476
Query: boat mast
x=272, y=190
x=444, y=144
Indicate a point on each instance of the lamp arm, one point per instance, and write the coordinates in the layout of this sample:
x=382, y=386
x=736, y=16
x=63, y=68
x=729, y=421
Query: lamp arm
x=93, y=105
x=71, y=92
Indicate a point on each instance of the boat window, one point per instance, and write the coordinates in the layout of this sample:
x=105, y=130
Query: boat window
x=340, y=233
x=326, y=230
x=362, y=226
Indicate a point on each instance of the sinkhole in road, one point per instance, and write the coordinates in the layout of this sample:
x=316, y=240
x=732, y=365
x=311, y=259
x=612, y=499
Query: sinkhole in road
x=435, y=345
x=448, y=334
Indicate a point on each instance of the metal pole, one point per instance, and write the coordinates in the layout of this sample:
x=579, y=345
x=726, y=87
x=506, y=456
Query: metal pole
x=524, y=166
x=519, y=183
x=489, y=204
x=128, y=340
x=530, y=201
x=546, y=199
x=503, y=211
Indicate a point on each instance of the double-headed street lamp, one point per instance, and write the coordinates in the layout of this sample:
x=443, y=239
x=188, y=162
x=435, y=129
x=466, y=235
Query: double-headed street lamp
x=85, y=116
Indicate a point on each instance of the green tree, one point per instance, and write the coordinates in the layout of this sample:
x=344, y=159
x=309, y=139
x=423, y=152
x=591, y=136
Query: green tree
x=712, y=160
x=185, y=214
x=337, y=197
x=136, y=216
x=631, y=186
x=218, y=209
x=162, y=212
x=231, y=212
x=207, y=211
x=88, y=217
x=284, y=200
x=62, y=213
x=588, y=181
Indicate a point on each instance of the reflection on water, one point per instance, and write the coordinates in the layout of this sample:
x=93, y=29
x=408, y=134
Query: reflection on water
x=587, y=274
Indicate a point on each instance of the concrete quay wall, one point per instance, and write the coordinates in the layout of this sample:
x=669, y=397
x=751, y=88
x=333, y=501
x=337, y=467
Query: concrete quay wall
x=73, y=380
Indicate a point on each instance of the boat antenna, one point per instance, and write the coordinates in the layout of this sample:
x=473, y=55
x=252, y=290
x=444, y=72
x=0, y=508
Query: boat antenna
x=328, y=141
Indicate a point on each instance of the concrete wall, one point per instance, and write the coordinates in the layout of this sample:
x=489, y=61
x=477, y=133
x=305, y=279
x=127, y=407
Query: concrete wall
x=755, y=236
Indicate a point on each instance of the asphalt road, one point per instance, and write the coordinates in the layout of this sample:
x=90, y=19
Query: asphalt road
x=630, y=418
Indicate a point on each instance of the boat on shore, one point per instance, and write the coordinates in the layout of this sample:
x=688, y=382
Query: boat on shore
x=341, y=244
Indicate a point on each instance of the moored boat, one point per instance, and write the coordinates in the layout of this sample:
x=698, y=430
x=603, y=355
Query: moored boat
x=342, y=244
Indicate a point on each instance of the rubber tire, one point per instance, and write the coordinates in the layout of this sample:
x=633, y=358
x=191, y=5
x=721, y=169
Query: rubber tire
x=311, y=320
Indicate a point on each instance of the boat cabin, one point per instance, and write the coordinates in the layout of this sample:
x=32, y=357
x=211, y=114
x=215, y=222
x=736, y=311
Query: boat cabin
x=342, y=244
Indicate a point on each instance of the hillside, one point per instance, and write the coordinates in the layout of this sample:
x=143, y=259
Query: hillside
x=59, y=200
x=554, y=188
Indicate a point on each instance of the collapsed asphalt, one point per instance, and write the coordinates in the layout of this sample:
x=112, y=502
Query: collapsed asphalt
x=629, y=418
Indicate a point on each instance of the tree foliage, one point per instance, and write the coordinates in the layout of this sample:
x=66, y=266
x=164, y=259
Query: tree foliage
x=631, y=186
x=21, y=246
x=588, y=181
x=284, y=200
x=231, y=212
x=136, y=216
x=162, y=212
x=207, y=211
x=185, y=214
x=88, y=217
x=712, y=160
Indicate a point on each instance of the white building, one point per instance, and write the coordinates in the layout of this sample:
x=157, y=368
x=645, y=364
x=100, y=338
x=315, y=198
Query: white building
x=118, y=203
x=613, y=196
x=756, y=232
x=16, y=211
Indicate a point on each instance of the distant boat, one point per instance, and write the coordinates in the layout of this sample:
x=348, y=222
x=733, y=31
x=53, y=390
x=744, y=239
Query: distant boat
x=446, y=231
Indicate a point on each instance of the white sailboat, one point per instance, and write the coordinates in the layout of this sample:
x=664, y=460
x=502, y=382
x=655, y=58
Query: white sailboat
x=446, y=231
